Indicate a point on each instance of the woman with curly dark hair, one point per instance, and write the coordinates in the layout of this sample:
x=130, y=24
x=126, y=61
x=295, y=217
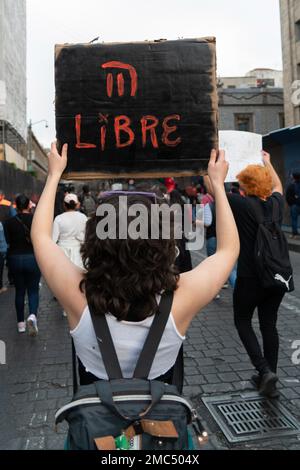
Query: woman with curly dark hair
x=125, y=277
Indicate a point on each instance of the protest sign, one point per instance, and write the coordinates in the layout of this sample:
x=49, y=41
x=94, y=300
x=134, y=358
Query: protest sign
x=137, y=109
x=241, y=149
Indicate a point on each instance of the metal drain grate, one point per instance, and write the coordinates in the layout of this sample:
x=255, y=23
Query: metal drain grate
x=249, y=417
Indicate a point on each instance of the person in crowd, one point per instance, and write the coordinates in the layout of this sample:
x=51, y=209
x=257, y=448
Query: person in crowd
x=69, y=229
x=170, y=184
x=293, y=200
x=263, y=184
x=23, y=265
x=184, y=196
x=59, y=200
x=87, y=202
x=191, y=191
x=6, y=208
x=183, y=260
x=235, y=188
x=124, y=278
x=3, y=250
x=194, y=203
x=131, y=185
x=207, y=198
x=211, y=232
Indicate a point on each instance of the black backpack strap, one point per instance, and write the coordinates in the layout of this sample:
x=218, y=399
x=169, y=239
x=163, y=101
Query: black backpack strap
x=153, y=339
x=106, y=346
x=26, y=229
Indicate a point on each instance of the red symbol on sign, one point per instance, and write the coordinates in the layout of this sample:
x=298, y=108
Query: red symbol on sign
x=120, y=78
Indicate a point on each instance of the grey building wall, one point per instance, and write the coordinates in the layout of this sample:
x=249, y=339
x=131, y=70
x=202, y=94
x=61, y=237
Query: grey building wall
x=13, y=64
x=265, y=106
x=290, y=32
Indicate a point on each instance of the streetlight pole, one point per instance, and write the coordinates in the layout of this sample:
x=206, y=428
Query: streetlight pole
x=29, y=139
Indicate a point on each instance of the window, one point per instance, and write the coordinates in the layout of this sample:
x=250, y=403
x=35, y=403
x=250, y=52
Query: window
x=281, y=120
x=243, y=122
x=231, y=86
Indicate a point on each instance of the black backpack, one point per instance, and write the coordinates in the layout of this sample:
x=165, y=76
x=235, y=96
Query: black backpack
x=271, y=251
x=130, y=414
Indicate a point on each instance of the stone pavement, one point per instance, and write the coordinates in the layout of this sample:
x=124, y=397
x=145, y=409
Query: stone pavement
x=38, y=377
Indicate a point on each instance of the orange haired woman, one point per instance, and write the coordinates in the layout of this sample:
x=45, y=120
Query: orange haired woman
x=263, y=184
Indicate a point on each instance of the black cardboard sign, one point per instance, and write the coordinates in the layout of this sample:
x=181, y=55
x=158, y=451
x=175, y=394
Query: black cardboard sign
x=137, y=109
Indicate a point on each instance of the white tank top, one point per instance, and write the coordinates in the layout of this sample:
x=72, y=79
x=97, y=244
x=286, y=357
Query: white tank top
x=129, y=339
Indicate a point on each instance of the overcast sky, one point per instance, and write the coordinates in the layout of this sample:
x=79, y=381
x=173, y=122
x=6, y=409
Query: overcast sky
x=247, y=32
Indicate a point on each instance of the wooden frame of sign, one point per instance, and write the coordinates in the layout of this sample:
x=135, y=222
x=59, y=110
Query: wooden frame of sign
x=146, y=109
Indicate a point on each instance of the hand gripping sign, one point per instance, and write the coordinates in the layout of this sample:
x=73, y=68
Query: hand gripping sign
x=137, y=110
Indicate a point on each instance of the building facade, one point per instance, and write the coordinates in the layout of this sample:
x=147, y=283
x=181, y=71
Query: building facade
x=37, y=157
x=290, y=32
x=252, y=110
x=252, y=103
x=13, y=126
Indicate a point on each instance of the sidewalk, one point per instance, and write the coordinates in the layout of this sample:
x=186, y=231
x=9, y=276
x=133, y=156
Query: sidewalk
x=294, y=243
x=38, y=378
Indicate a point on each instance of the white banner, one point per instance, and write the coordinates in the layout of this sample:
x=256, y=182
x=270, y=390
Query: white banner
x=241, y=149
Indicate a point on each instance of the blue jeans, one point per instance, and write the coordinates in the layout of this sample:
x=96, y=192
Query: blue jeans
x=232, y=277
x=27, y=275
x=295, y=212
x=211, y=248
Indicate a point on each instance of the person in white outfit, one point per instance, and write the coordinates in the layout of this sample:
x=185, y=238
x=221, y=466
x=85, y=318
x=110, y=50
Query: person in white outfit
x=69, y=229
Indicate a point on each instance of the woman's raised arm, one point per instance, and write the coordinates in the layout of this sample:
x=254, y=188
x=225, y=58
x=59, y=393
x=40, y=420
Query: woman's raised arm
x=198, y=287
x=61, y=275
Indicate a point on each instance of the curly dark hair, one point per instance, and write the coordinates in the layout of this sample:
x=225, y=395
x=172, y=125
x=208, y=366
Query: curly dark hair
x=123, y=276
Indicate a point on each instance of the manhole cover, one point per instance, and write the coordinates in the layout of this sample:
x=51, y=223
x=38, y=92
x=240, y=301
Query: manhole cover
x=249, y=417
